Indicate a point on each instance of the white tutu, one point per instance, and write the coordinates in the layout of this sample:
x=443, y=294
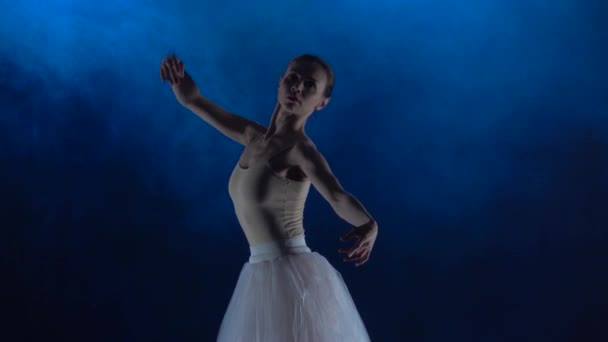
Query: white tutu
x=286, y=293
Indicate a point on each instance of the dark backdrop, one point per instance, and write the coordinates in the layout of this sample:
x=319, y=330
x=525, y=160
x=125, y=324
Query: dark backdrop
x=474, y=131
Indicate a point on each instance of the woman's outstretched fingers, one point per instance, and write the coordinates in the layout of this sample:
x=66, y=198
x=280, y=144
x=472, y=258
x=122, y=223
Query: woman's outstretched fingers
x=172, y=74
x=349, y=235
x=170, y=69
x=166, y=72
x=174, y=65
x=353, y=250
x=359, y=257
x=181, y=68
x=358, y=248
x=363, y=259
x=163, y=72
x=347, y=251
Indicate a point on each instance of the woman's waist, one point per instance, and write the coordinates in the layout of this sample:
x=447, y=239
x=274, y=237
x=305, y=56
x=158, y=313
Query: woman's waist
x=273, y=249
x=258, y=233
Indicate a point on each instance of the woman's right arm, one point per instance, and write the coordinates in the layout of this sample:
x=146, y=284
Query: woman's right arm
x=231, y=125
x=188, y=95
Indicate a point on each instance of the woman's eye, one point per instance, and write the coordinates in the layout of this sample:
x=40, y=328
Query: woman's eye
x=309, y=84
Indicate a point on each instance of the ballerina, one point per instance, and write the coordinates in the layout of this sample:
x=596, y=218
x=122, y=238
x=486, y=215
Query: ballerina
x=285, y=292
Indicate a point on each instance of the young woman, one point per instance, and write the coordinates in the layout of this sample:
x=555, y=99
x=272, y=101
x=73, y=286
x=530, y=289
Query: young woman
x=285, y=292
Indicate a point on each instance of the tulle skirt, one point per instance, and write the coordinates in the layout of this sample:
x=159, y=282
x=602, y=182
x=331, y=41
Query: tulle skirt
x=286, y=293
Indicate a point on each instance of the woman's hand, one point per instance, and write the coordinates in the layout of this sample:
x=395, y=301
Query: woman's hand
x=172, y=70
x=366, y=235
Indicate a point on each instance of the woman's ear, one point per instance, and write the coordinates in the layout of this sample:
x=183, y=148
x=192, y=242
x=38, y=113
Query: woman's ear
x=323, y=104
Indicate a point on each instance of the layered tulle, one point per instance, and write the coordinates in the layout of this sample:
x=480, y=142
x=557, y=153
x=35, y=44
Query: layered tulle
x=294, y=297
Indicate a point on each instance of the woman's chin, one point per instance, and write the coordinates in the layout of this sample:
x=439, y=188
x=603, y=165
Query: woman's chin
x=290, y=104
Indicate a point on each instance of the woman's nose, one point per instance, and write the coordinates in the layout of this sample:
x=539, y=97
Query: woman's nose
x=296, y=87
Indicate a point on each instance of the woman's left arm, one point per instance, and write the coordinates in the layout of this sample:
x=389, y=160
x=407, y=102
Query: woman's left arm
x=344, y=204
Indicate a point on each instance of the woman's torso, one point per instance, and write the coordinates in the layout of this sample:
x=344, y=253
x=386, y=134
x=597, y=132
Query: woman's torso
x=269, y=191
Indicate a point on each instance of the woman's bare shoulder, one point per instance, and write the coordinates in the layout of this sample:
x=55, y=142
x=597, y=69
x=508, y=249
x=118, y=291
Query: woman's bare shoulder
x=305, y=142
x=305, y=151
x=253, y=132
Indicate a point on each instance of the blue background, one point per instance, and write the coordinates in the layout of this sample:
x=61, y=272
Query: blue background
x=474, y=131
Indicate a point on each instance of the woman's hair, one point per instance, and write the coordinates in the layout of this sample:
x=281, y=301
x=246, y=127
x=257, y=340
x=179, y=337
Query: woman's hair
x=331, y=79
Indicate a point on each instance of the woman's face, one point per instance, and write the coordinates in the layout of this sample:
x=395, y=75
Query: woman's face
x=301, y=88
